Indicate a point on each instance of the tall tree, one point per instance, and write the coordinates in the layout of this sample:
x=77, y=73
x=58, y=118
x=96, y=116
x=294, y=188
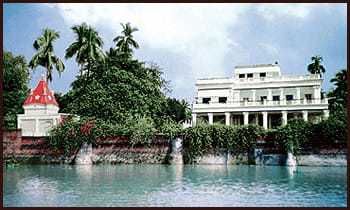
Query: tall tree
x=45, y=56
x=339, y=94
x=316, y=67
x=87, y=47
x=15, y=87
x=126, y=42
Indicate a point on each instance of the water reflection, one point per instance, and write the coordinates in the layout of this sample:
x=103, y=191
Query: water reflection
x=174, y=185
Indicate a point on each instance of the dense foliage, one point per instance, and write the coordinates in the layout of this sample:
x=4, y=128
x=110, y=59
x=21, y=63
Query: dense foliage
x=72, y=133
x=293, y=135
x=338, y=96
x=118, y=86
x=204, y=138
x=118, y=90
x=15, y=87
x=177, y=110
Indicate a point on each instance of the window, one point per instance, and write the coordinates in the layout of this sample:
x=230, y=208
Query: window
x=241, y=75
x=308, y=97
x=275, y=98
x=289, y=97
x=206, y=100
x=250, y=75
x=222, y=100
x=263, y=74
x=262, y=98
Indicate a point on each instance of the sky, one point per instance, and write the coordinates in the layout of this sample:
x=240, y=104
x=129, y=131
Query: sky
x=190, y=41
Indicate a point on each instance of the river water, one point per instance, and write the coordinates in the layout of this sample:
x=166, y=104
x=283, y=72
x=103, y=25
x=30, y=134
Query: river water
x=171, y=185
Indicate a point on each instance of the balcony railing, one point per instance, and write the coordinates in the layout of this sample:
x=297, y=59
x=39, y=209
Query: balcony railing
x=279, y=78
x=269, y=102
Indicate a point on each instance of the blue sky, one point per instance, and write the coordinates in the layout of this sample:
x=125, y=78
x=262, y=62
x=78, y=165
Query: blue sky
x=190, y=41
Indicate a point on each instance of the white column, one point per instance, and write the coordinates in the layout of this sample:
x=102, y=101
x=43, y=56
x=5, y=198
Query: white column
x=317, y=94
x=194, y=119
x=298, y=95
x=269, y=96
x=282, y=96
x=325, y=113
x=257, y=119
x=210, y=118
x=37, y=127
x=246, y=118
x=227, y=118
x=253, y=96
x=236, y=97
x=284, y=117
x=305, y=115
x=264, y=119
x=230, y=97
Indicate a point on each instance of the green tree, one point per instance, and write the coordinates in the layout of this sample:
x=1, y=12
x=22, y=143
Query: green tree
x=126, y=42
x=340, y=92
x=45, y=56
x=315, y=67
x=338, y=96
x=177, y=110
x=87, y=47
x=15, y=87
x=120, y=89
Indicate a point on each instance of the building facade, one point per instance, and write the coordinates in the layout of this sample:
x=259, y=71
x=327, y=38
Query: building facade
x=259, y=94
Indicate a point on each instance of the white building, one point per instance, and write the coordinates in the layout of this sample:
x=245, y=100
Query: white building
x=259, y=94
x=40, y=112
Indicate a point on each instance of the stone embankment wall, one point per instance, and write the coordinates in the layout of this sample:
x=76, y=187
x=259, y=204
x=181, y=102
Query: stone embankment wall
x=117, y=150
x=162, y=151
x=17, y=148
x=111, y=150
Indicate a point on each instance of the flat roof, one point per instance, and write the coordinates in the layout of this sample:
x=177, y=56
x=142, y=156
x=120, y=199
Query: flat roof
x=255, y=66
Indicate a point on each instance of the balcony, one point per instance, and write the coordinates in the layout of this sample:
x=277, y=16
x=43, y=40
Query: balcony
x=263, y=103
x=284, y=78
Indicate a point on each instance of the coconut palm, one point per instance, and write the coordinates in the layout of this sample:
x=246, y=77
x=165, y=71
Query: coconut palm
x=316, y=67
x=87, y=47
x=187, y=109
x=126, y=42
x=340, y=92
x=45, y=56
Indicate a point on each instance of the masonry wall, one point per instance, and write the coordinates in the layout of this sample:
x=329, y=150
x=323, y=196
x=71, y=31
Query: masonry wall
x=116, y=150
x=111, y=150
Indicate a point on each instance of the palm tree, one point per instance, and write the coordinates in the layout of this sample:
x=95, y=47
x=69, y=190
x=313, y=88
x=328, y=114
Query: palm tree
x=45, y=54
x=340, y=92
x=125, y=42
x=187, y=109
x=316, y=67
x=87, y=47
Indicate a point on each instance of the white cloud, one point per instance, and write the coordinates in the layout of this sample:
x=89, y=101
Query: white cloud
x=203, y=33
x=198, y=31
x=273, y=11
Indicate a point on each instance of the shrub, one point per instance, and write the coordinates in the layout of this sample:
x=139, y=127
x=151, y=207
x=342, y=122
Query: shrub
x=71, y=134
x=141, y=130
x=204, y=138
x=170, y=129
x=331, y=131
x=245, y=137
x=293, y=135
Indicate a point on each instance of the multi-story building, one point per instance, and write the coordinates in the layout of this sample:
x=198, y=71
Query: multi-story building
x=259, y=94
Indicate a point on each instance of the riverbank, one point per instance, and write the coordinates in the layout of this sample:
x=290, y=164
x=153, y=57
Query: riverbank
x=35, y=150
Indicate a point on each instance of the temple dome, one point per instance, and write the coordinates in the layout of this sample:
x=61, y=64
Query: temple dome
x=41, y=95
